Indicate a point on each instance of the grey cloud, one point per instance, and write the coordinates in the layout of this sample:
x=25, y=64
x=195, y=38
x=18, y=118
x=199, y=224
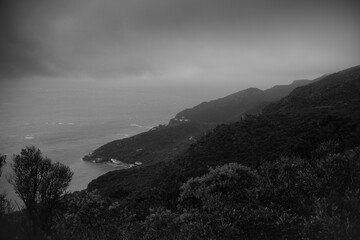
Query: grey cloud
x=173, y=40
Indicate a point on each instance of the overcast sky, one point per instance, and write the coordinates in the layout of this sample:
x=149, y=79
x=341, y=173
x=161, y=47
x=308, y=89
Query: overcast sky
x=226, y=44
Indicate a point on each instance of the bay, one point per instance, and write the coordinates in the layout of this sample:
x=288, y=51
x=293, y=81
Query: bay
x=66, y=124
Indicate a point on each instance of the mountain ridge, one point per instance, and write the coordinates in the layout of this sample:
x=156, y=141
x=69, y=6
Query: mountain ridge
x=250, y=142
x=184, y=130
x=226, y=108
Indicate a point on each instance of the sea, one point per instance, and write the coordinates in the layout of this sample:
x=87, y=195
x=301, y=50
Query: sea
x=67, y=123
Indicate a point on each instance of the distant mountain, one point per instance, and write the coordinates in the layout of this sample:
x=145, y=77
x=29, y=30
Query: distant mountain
x=232, y=107
x=326, y=110
x=338, y=92
x=166, y=142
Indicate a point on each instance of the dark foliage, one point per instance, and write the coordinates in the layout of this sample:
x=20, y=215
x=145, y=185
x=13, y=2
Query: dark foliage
x=289, y=198
x=160, y=143
x=40, y=184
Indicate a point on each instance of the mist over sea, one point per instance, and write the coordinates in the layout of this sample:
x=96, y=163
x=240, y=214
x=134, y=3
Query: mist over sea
x=68, y=123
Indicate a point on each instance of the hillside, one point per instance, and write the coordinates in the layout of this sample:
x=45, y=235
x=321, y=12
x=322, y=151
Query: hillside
x=162, y=142
x=328, y=109
x=292, y=172
x=338, y=92
x=166, y=142
x=232, y=107
x=293, y=126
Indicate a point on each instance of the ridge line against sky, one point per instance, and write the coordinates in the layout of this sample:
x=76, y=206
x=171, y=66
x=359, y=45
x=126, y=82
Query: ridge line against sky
x=229, y=43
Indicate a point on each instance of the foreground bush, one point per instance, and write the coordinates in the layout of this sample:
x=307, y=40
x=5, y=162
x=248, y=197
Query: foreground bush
x=292, y=198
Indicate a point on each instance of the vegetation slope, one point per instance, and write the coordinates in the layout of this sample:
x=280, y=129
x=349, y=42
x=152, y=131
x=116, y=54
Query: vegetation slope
x=328, y=109
x=164, y=143
x=292, y=172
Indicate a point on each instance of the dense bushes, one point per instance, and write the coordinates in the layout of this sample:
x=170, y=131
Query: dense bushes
x=291, y=198
x=231, y=182
x=317, y=197
x=287, y=199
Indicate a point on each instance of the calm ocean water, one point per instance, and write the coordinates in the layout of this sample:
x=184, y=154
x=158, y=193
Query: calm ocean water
x=67, y=124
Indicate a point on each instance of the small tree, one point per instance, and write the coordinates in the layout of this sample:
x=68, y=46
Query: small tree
x=40, y=185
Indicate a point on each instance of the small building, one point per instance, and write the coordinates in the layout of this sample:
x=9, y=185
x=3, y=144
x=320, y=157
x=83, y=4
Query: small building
x=114, y=161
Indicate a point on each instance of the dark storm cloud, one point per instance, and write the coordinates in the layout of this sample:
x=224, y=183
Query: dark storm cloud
x=169, y=40
x=15, y=57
